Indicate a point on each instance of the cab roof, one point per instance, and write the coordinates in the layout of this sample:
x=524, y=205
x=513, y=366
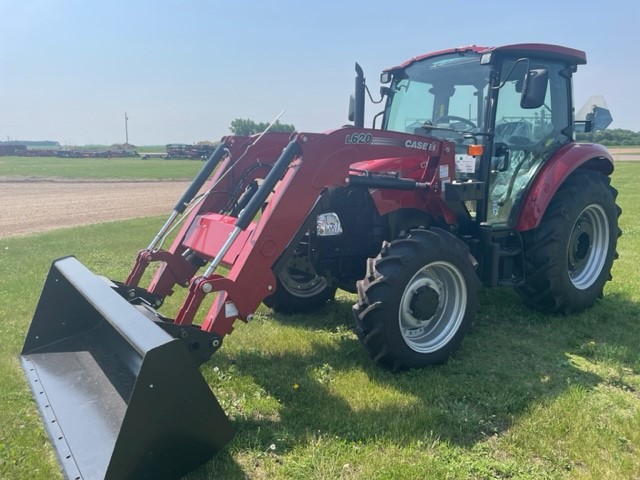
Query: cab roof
x=556, y=52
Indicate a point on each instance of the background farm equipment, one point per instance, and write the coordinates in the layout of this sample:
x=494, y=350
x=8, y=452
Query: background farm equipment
x=200, y=151
x=115, y=151
x=473, y=180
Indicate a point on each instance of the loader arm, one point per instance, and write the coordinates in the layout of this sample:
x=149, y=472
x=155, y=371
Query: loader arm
x=254, y=155
x=311, y=162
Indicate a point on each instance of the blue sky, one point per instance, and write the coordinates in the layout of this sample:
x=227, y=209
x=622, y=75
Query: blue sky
x=183, y=70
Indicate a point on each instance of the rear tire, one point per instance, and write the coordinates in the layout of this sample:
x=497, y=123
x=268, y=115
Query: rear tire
x=418, y=299
x=568, y=258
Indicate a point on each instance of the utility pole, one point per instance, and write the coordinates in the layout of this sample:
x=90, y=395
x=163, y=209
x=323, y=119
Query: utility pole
x=126, y=128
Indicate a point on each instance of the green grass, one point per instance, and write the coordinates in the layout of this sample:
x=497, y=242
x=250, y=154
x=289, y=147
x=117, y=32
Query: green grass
x=99, y=168
x=528, y=396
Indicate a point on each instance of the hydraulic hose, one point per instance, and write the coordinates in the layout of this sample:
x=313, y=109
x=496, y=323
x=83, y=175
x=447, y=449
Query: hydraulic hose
x=255, y=204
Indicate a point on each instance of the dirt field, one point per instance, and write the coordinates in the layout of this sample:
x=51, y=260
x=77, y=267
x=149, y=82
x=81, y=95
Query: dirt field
x=625, y=154
x=37, y=205
x=29, y=205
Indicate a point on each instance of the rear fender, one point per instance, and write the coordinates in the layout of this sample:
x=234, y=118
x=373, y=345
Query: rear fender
x=553, y=174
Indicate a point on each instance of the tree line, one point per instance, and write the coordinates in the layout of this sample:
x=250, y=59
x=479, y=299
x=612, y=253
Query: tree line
x=245, y=126
x=611, y=137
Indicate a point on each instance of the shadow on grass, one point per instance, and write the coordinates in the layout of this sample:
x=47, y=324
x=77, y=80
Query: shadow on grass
x=513, y=359
x=223, y=465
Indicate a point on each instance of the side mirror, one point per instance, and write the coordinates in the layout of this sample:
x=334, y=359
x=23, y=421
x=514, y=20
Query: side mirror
x=534, y=88
x=501, y=157
x=582, y=126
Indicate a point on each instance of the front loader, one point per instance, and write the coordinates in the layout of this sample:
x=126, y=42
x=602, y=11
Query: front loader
x=473, y=179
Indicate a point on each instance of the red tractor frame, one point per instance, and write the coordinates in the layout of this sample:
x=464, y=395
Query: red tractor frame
x=473, y=178
x=480, y=192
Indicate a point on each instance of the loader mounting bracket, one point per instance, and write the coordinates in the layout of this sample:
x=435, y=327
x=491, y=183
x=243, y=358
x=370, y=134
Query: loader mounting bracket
x=136, y=294
x=200, y=343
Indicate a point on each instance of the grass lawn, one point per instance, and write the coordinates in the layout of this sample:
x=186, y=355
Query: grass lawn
x=528, y=396
x=99, y=168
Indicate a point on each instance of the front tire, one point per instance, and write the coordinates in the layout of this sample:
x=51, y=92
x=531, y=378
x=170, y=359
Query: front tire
x=568, y=258
x=418, y=300
x=300, y=289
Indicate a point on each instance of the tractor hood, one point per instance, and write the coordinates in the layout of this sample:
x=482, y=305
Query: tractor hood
x=405, y=167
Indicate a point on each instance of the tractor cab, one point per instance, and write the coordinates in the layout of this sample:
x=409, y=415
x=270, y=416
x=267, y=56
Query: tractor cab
x=507, y=109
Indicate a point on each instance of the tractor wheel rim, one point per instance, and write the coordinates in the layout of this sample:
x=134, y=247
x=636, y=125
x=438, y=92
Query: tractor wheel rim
x=588, y=247
x=301, y=284
x=432, y=307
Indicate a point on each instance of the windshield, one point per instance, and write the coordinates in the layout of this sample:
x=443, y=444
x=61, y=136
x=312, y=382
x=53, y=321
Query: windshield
x=439, y=96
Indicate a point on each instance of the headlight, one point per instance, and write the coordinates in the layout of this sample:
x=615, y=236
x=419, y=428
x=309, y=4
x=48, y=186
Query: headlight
x=328, y=224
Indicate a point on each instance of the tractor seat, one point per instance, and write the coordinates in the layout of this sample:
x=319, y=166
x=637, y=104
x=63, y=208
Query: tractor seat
x=514, y=133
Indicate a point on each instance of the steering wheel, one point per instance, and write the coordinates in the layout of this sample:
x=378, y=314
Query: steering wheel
x=448, y=118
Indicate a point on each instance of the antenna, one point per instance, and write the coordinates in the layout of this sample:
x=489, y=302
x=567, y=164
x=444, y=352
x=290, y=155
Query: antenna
x=126, y=128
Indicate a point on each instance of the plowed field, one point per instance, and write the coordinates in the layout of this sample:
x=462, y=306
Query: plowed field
x=36, y=205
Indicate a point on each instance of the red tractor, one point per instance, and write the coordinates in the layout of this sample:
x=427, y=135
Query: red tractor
x=469, y=177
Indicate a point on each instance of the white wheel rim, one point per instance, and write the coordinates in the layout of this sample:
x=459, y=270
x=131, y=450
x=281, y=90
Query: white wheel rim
x=588, y=247
x=432, y=307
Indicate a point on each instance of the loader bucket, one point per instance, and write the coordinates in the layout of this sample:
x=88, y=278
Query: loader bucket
x=120, y=398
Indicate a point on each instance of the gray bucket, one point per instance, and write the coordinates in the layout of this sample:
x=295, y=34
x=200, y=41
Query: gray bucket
x=119, y=397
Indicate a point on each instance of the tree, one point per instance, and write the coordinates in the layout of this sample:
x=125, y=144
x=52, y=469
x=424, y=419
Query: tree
x=611, y=137
x=241, y=126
